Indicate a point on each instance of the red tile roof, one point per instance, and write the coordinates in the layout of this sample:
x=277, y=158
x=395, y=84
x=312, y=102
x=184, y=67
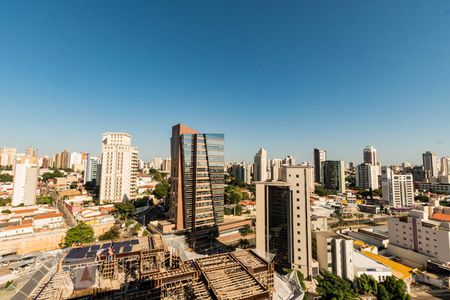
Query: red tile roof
x=441, y=217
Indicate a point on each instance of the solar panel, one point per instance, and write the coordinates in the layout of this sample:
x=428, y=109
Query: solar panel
x=95, y=247
x=134, y=242
x=127, y=248
x=106, y=245
x=90, y=254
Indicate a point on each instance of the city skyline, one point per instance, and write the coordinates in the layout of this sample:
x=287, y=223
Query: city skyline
x=125, y=67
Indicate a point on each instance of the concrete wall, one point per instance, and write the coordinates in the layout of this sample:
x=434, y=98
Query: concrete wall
x=42, y=241
x=408, y=257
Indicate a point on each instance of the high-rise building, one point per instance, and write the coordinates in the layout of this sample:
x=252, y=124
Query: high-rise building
x=119, y=163
x=397, y=189
x=7, y=156
x=334, y=175
x=65, y=160
x=44, y=162
x=275, y=169
x=431, y=164
x=156, y=163
x=241, y=171
x=370, y=155
x=367, y=176
x=444, y=175
x=260, y=166
x=197, y=180
x=283, y=226
x=289, y=161
x=31, y=152
x=166, y=165
x=26, y=171
x=319, y=157
x=91, y=168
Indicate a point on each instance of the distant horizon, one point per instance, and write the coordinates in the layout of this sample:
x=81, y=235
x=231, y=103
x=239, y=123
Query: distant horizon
x=288, y=76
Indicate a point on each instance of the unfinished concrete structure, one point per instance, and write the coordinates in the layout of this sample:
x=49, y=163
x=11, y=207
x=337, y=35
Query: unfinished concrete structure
x=144, y=268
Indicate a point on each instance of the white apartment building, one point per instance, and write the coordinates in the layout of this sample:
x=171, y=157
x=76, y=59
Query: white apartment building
x=283, y=215
x=26, y=172
x=420, y=233
x=397, y=189
x=334, y=253
x=7, y=156
x=367, y=176
x=260, y=166
x=275, y=168
x=91, y=168
x=119, y=168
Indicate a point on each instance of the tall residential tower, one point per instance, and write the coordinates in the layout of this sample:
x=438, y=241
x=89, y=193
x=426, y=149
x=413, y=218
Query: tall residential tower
x=319, y=157
x=119, y=167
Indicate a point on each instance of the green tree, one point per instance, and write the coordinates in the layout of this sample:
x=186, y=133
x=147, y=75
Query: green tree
x=422, y=198
x=6, y=178
x=333, y=287
x=395, y=288
x=82, y=233
x=5, y=202
x=233, y=194
x=382, y=293
x=125, y=210
x=44, y=200
x=162, y=190
x=73, y=185
x=51, y=175
x=366, y=284
x=111, y=234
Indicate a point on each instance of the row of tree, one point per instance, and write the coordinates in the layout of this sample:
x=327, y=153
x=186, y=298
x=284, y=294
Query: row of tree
x=332, y=287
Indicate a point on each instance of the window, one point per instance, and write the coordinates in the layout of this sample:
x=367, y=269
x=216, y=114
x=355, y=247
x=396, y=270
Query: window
x=297, y=176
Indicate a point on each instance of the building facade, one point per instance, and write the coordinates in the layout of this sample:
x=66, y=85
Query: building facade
x=260, y=166
x=334, y=175
x=283, y=226
x=197, y=180
x=119, y=167
x=367, y=176
x=319, y=157
x=91, y=168
x=397, y=189
x=370, y=155
x=431, y=164
x=26, y=171
x=7, y=156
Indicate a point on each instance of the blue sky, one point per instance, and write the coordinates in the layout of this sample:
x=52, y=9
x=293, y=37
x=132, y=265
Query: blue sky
x=286, y=75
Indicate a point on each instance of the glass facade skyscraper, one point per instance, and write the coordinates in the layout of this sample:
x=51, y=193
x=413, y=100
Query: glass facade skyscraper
x=197, y=177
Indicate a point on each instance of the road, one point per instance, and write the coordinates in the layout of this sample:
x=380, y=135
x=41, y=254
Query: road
x=68, y=217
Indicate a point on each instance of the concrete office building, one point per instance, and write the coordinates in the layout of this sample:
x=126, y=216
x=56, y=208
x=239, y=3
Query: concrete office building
x=367, y=176
x=423, y=232
x=119, y=167
x=397, y=189
x=91, y=168
x=260, y=166
x=166, y=165
x=31, y=152
x=334, y=175
x=319, y=157
x=334, y=253
x=26, y=171
x=283, y=226
x=7, y=156
x=241, y=171
x=289, y=161
x=197, y=180
x=431, y=164
x=275, y=168
x=370, y=155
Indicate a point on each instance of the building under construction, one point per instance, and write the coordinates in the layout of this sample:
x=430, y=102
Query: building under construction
x=144, y=268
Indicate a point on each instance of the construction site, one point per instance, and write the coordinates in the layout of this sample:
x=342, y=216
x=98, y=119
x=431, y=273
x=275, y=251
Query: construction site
x=145, y=268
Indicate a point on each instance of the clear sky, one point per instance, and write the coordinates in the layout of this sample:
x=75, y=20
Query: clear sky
x=285, y=75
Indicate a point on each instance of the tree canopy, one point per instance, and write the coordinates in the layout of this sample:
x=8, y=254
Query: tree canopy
x=126, y=210
x=333, y=287
x=111, y=234
x=233, y=194
x=6, y=178
x=162, y=190
x=52, y=175
x=44, y=200
x=82, y=233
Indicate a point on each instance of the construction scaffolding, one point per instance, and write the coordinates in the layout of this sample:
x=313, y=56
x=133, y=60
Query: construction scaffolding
x=144, y=268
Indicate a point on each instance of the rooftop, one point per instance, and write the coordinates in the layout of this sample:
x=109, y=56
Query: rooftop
x=398, y=270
